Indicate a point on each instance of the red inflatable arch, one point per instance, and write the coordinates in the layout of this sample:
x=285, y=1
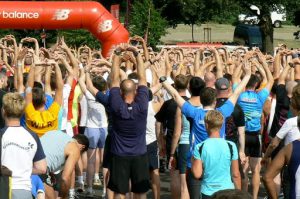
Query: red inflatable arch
x=64, y=15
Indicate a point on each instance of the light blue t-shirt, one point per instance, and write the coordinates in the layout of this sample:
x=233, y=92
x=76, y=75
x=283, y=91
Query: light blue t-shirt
x=216, y=163
x=185, y=131
x=198, y=133
x=252, y=104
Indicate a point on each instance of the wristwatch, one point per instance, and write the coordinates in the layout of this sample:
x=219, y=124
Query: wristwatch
x=162, y=79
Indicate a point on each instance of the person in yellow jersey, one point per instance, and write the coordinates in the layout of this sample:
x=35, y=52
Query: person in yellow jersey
x=38, y=119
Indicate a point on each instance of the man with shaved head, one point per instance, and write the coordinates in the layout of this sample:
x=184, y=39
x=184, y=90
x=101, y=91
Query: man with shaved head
x=128, y=89
x=210, y=79
x=129, y=107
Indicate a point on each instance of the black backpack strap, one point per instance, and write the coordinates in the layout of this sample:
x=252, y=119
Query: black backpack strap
x=231, y=150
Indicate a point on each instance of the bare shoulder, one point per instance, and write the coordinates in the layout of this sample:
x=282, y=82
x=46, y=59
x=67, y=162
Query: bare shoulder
x=72, y=149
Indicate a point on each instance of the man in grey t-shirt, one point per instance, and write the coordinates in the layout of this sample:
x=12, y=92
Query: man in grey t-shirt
x=62, y=153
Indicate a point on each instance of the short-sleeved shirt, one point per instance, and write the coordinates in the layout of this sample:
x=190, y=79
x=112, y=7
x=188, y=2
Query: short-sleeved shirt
x=289, y=131
x=103, y=99
x=198, y=132
x=233, y=122
x=48, y=103
x=216, y=163
x=73, y=116
x=96, y=115
x=63, y=118
x=281, y=110
x=166, y=115
x=20, y=149
x=128, y=137
x=252, y=104
x=41, y=122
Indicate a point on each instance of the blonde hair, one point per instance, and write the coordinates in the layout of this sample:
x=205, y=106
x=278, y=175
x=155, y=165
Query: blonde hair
x=13, y=105
x=213, y=120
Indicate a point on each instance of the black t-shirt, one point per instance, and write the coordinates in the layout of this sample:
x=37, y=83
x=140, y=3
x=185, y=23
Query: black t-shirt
x=166, y=116
x=281, y=109
x=233, y=122
x=2, y=122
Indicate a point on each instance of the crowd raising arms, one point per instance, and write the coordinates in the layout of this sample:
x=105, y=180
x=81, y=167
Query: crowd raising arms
x=42, y=77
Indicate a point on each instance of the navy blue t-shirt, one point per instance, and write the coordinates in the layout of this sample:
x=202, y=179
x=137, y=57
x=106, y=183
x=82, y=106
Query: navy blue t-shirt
x=129, y=121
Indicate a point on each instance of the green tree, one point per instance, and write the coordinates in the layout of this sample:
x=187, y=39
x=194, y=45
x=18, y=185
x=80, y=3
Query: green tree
x=80, y=37
x=266, y=26
x=193, y=13
x=147, y=21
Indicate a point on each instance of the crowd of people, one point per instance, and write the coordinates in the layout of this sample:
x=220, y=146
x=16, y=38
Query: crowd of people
x=73, y=121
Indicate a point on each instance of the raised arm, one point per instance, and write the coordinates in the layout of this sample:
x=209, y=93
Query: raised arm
x=72, y=58
x=115, y=68
x=20, y=63
x=140, y=66
x=29, y=85
x=200, y=72
x=59, y=83
x=283, y=74
x=234, y=96
x=262, y=72
x=48, y=80
x=81, y=80
x=270, y=78
x=277, y=64
x=69, y=69
x=218, y=63
x=172, y=91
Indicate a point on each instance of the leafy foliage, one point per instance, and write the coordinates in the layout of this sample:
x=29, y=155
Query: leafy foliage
x=139, y=21
x=79, y=38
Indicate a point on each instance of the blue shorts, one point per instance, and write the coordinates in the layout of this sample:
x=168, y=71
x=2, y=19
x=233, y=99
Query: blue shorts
x=183, y=150
x=96, y=137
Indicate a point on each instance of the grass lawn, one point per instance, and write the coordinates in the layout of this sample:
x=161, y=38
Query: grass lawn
x=224, y=33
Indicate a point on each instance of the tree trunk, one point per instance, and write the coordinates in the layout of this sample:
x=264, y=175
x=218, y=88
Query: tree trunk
x=267, y=32
x=193, y=33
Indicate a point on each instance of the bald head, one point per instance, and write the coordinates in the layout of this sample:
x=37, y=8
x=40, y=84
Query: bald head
x=210, y=79
x=128, y=87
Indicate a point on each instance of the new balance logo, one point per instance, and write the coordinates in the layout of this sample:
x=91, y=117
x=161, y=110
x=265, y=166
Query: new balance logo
x=61, y=14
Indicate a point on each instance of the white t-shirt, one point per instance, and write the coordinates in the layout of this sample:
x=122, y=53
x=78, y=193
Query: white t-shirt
x=96, y=116
x=83, y=111
x=66, y=94
x=150, y=128
x=20, y=149
x=289, y=131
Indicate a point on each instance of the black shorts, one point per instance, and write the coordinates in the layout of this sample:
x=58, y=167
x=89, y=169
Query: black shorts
x=52, y=180
x=183, y=150
x=253, y=144
x=107, y=154
x=133, y=168
x=153, y=158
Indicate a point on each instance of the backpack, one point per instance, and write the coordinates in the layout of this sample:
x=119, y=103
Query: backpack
x=229, y=145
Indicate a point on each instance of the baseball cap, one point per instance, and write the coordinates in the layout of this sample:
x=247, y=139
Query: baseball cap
x=222, y=84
